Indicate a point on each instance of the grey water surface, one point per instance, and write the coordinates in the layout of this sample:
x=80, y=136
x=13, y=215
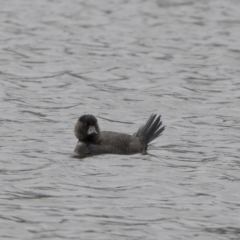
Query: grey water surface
x=120, y=61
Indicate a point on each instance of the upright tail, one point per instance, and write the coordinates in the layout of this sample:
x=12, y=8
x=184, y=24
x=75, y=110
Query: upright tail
x=151, y=130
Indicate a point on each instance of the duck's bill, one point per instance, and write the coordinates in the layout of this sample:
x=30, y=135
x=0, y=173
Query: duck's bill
x=92, y=130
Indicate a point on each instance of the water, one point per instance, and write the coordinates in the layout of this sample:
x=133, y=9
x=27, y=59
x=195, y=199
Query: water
x=121, y=61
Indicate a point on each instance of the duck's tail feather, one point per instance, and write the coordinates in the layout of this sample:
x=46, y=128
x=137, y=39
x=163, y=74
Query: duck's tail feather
x=151, y=130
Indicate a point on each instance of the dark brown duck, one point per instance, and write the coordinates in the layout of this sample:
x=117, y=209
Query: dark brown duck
x=92, y=141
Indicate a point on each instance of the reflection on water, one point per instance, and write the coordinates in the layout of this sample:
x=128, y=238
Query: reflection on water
x=120, y=61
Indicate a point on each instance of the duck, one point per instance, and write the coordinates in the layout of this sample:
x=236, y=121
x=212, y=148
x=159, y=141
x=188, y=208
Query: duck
x=93, y=141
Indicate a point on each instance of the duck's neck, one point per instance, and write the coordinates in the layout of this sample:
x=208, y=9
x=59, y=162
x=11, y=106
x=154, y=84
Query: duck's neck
x=93, y=139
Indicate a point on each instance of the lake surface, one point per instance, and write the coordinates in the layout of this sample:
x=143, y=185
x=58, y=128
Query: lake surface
x=120, y=61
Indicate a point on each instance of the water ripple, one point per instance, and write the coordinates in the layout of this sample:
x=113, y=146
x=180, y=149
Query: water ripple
x=121, y=61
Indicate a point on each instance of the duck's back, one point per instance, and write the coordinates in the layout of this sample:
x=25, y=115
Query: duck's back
x=120, y=143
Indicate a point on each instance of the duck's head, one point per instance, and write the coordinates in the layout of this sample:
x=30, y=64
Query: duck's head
x=87, y=129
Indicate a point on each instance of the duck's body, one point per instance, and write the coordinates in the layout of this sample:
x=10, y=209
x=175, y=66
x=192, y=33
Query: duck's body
x=92, y=141
x=110, y=142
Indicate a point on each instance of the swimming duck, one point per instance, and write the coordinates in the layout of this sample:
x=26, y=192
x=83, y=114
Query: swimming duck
x=92, y=141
